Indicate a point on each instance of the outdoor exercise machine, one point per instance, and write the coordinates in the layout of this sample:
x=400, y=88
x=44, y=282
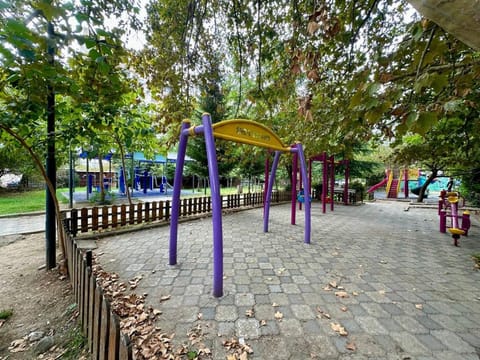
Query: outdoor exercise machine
x=240, y=131
x=448, y=206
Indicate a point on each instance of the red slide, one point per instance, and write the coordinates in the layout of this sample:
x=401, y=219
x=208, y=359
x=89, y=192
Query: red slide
x=376, y=186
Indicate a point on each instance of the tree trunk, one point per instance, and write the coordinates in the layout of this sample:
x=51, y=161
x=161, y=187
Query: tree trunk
x=124, y=169
x=421, y=194
x=51, y=188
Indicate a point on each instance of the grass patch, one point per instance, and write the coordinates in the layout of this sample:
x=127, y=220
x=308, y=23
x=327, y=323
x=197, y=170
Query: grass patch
x=75, y=344
x=25, y=201
x=5, y=314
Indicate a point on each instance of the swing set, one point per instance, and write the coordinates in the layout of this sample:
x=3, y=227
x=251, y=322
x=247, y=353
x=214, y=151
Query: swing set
x=240, y=131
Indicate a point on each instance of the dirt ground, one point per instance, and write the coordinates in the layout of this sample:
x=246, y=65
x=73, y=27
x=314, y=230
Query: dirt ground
x=41, y=301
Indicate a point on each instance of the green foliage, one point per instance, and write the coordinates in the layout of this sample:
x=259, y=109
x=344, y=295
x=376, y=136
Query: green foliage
x=5, y=314
x=75, y=344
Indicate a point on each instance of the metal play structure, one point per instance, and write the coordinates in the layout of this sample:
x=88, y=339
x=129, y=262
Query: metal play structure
x=240, y=131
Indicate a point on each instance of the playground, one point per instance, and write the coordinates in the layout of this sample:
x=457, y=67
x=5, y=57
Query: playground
x=387, y=277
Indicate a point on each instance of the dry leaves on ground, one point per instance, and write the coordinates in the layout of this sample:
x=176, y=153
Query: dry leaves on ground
x=339, y=329
x=239, y=350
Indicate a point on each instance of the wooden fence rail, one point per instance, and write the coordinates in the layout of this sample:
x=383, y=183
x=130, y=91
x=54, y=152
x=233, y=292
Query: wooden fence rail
x=95, y=218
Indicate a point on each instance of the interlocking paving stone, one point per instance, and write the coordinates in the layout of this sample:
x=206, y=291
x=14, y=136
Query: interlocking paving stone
x=411, y=294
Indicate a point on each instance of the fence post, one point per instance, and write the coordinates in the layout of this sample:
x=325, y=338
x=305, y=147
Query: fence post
x=125, y=352
x=74, y=222
x=167, y=210
x=114, y=216
x=91, y=311
x=139, y=213
x=104, y=330
x=154, y=210
x=84, y=213
x=131, y=214
x=95, y=218
x=123, y=214
x=147, y=212
x=97, y=321
x=114, y=338
x=105, y=217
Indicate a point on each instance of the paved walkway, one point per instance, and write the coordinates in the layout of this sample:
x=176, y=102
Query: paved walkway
x=22, y=224
x=398, y=287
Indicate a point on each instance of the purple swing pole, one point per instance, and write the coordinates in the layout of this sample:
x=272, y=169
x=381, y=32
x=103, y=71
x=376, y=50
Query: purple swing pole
x=271, y=181
x=216, y=206
x=293, y=213
x=177, y=187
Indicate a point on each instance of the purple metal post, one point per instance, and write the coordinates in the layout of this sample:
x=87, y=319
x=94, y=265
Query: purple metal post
x=325, y=182
x=216, y=206
x=293, y=216
x=271, y=181
x=310, y=176
x=303, y=169
x=466, y=222
x=332, y=181
x=177, y=187
x=443, y=221
x=304, y=191
x=265, y=184
x=405, y=187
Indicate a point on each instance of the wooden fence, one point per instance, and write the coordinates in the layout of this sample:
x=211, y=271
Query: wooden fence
x=103, y=218
x=100, y=325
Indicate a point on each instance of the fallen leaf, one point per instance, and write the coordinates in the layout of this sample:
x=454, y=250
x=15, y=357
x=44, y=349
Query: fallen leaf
x=327, y=288
x=338, y=329
x=199, y=316
x=322, y=314
x=232, y=357
x=354, y=293
x=381, y=292
x=333, y=284
x=278, y=315
x=2, y=321
x=249, y=313
x=351, y=346
x=243, y=356
x=344, y=308
x=341, y=294
x=419, y=306
x=18, y=345
x=165, y=298
x=275, y=304
x=263, y=322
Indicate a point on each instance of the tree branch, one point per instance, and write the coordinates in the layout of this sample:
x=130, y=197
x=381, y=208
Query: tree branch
x=431, y=69
x=425, y=50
